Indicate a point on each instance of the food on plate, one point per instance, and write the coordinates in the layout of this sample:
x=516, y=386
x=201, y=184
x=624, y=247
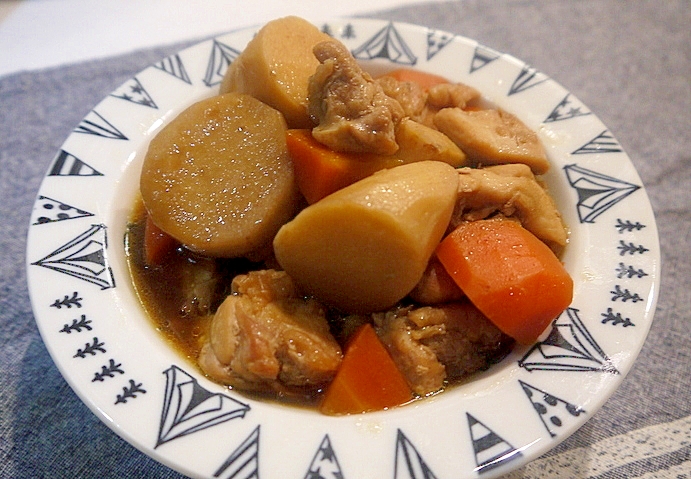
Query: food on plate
x=266, y=335
x=275, y=67
x=368, y=379
x=431, y=344
x=365, y=247
x=218, y=177
x=351, y=111
x=493, y=136
x=318, y=235
x=508, y=274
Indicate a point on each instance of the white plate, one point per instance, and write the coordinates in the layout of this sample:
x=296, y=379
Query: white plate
x=120, y=367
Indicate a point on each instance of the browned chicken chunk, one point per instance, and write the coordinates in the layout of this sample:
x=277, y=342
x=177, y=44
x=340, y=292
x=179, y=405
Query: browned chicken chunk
x=352, y=111
x=491, y=137
x=431, y=345
x=266, y=337
x=514, y=192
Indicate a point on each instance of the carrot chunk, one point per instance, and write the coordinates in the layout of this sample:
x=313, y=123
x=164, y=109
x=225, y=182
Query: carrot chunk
x=157, y=243
x=509, y=274
x=367, y=380
x=423, y=79
x=319, y=171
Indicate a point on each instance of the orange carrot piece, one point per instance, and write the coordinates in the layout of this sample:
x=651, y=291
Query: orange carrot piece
x=424, y=79
x=509, y=274
x=157, y=243
x=320, y=171
x=367, y=380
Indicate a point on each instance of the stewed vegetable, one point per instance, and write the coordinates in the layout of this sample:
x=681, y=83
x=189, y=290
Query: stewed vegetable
x=311, y=228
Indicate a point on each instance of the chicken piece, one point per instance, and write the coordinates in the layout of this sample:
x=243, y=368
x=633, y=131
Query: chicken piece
x=411, y=96
x=433, y=345
x=512, y=191
x=436, y=286
x=491, y=137
x=266, y=337
x=200, y=280
x=448, y=95
x=352, y=111
x=418, y=142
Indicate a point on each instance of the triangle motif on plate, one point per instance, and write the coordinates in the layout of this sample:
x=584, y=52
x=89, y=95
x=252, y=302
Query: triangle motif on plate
x=568, y=347
x=174, y=66
x=189, y=408
x=48, y=210
x=482, y=56
x=66, y=164
x=409, y=464
x=95, y=124
x=490, y=449
x=386, y=43
x=553, y=411
x=220, y=58
x=83, y=257
x=602, y=143
x=243, y=463
x=597, y=192
x=527, y=78
x=133, y=91
x=325, y=463
x=566, y=109
x=436, y=41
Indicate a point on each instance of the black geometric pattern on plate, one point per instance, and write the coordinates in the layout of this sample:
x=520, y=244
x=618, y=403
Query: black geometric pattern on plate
x=220, y=57
x=95, y=124
x=188, y=407
x=243, y=463
x=482, y=56
x=596, y=192
x=409, y=464
x=174, y=66
x=602, y=143
x=48, y=210
x=490, y=449
x=566, y=109
x=527, y=78
x=66, y=164
x=387, y=43
x=553, y=411
x=133, y=91
x=569, y=347
x=436, y=41
x=83, y=257
x=325, y=464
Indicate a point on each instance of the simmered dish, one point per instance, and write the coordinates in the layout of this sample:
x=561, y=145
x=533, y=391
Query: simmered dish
x=319, y=236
